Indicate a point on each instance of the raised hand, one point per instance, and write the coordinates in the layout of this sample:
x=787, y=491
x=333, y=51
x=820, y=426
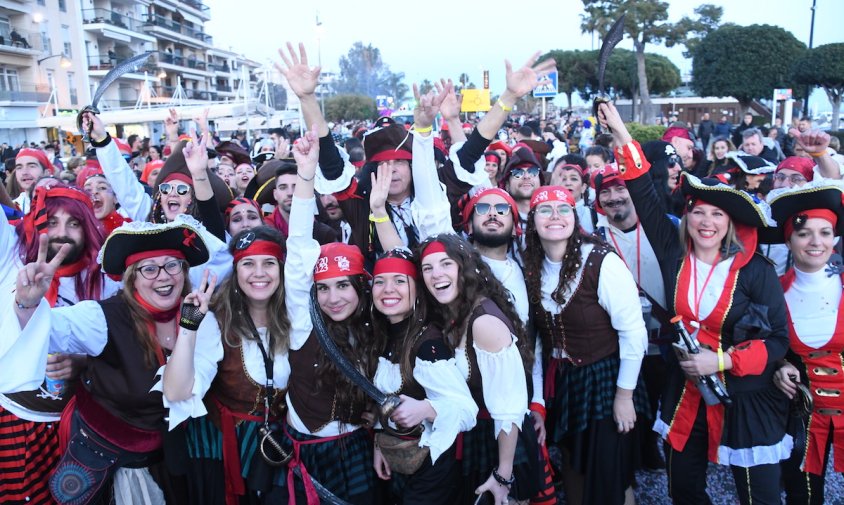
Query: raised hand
x=520, y=82
x=380, y=190
x=92, y=123
x=201, y=297
x=813, y=141
x=427, y=106
x=34, y=279
x=282, y=148
x=451, y=103
x=306, y=153
x=196, y=156
x=303, y=79
x=171, y=125
x=202, y=121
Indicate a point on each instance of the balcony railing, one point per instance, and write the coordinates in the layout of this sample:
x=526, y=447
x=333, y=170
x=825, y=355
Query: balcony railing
x=224, y=88
x=182, y=61
x=163, y=22
x=217, y=67
x=110, y=60
x=190, y=94
x=21, y=39
x=24, y=94
x=196, y=5
x=111, y=18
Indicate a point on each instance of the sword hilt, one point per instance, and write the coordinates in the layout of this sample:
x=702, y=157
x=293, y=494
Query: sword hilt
x=267, y=438
x=390, y=404
x=597, y=101
x=86, y=132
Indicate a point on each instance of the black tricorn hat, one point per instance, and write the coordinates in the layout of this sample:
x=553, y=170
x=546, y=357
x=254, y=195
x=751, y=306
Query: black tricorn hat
x=181, y=234
x=387, y=140
x=260, y=188
x=176, y=163
x=234, y=151
x=738, y=204
x=792, y=203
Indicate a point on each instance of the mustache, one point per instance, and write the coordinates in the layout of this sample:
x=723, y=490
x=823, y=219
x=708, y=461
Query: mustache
x=613, y=203
x=62, y=240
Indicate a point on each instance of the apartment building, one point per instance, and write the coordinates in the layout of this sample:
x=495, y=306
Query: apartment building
x=68, y=46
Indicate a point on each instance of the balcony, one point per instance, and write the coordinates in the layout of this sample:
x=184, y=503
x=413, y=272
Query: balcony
x=190, y=94
x=105, y=16
x=110, y=60
x=156, y=20
x=188, y=62
x=220, y=67
x=30, y=94
x=20, y=42
x=224, y=88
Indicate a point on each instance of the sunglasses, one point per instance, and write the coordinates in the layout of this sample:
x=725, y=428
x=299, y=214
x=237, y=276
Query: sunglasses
x=181, y=189
x=502, y=209
x=547, y=211
x=518, y=173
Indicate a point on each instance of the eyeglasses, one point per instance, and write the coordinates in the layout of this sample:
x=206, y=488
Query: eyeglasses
x=547, y=211
x=150, y=272
x=518, y=173
x=794, y=178
x=502, y=209
x=181, y=189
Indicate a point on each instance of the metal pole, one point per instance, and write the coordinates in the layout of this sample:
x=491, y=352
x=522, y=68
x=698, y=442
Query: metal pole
x=811, y=41
x=543, y=108
x=774, y=110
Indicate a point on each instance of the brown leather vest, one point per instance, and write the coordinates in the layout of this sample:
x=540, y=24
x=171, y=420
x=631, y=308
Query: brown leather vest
x=39, y=401
x=409, y=386
x=316, y=406
x=475, y=380
x=235, y=389
x=583, y=328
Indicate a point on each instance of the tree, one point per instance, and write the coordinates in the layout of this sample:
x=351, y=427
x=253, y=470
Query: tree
x=824, y=66
x=574, y=70
x=350, y=107
x=689, y=32
x=745, y=62
x=362, y=71
x=645, y=23
x=464, y=82
x=425, y=86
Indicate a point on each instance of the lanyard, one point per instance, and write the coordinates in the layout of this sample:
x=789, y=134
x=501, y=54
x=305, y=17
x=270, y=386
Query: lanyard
x=698, y=295
x=268, y=367
x=638, y=252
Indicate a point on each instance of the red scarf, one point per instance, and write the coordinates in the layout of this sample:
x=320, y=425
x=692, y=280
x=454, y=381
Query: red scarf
x=112, y=221
x=64, y=271
x=158, y=315
x=278, y=222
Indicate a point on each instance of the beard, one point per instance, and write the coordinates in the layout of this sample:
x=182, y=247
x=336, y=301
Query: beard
x=56, y=244
x=492, y=239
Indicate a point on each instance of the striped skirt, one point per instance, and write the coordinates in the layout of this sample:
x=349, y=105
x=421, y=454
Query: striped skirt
x=29, y=452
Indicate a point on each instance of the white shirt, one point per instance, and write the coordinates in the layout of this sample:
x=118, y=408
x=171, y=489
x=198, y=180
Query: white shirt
x=638, y=255
x=813, y=301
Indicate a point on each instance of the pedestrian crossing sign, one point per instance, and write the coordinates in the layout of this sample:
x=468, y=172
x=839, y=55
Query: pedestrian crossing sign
x=547, y=86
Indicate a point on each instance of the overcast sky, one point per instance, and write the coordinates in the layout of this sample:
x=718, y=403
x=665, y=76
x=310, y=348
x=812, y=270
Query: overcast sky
x=456, y=36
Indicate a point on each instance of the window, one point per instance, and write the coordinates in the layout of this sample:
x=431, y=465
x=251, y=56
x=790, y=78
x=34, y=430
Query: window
x=63, y=5
x=71, y=87
x=9, y=79
x=5, y=29
x=46, y=43
x=66, y=40
x=41, y=2
x=51, y=79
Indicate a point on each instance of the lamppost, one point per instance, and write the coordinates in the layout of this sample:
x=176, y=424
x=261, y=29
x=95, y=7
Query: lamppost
x=811, y=40
x=65, y=63
x=319, y=31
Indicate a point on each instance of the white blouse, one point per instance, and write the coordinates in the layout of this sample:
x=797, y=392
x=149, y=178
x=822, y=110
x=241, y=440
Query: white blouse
x=445, y=390
x=813, y=301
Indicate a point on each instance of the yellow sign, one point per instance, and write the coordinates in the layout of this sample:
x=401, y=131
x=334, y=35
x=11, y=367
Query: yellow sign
x=475, y=100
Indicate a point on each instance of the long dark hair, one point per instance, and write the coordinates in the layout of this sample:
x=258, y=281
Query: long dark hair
x=364, y=347
x=230, y=308
x=417, y=320
x=475, y=282
x=535, y=254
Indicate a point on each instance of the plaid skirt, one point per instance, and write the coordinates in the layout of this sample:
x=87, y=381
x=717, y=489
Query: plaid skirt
x=29, y=452
x=480, y=456
x=343, y=465
x=586, y=394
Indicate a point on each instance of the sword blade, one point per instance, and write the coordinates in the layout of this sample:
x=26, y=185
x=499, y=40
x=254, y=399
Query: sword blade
x=613, y=37
x=325, y=495
x=345, y=366
x=118, y=71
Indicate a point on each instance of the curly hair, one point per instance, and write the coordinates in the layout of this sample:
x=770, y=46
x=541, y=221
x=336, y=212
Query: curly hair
x=475, y=283
x=356, y=340
x=535, y=254
x=229, y=303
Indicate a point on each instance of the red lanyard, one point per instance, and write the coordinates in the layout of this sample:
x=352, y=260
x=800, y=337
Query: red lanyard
x=638, y=252
x=698, y=295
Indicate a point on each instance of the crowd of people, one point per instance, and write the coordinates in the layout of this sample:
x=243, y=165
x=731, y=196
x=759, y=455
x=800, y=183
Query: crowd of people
x=385, y=313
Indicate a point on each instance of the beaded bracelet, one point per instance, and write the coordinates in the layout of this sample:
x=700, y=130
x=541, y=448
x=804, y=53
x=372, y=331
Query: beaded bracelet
x=501, y=480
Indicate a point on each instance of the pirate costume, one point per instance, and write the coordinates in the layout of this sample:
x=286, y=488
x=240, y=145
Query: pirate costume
x=32, y=415
x=739, y=309
x=323, y=433
x=436, y=379
x=595, y=340
x=231, y=385
x=816, y=333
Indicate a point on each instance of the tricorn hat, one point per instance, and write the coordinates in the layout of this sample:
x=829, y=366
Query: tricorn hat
x=387, y=140
x=790, y=205
x=738, y=204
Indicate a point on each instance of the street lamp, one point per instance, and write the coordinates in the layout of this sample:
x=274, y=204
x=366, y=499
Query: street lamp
x=319, y=32
x=64, y=62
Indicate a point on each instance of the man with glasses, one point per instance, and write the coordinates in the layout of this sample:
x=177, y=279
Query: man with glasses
x=520, y=179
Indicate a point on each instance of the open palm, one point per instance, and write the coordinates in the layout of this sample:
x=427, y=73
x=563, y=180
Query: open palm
x=302, y=78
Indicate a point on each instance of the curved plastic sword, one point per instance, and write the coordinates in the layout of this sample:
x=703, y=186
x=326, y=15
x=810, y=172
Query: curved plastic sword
x=115, y=73
x=613, y=37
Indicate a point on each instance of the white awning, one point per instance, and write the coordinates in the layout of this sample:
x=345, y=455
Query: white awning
x=144, y=115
